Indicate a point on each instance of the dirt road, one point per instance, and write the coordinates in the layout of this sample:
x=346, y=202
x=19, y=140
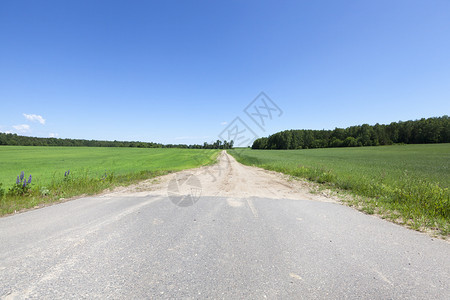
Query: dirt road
x=228, y=178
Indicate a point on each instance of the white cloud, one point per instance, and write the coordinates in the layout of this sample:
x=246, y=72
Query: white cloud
x=53, y=135
x=223, y=123
x=22, y=128
x=34, y=118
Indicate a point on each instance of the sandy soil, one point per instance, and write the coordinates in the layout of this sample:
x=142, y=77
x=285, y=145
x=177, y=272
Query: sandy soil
x=227, y=178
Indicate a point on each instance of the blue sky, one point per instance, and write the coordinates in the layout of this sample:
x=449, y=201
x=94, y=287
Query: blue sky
x=181, y=71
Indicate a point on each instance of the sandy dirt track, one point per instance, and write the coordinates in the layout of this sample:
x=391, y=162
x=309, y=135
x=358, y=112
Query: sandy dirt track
x=228, y=178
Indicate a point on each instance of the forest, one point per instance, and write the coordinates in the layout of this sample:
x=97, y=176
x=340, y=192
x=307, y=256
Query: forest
x=423, y=131
x=12, y=139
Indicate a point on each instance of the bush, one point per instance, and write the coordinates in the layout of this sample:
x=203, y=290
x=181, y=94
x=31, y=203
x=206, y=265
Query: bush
x=2, y=191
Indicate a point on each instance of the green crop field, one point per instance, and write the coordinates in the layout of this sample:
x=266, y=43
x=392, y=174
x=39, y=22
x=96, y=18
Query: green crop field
x=91, y=170
x=407, y=183
x=46, y=163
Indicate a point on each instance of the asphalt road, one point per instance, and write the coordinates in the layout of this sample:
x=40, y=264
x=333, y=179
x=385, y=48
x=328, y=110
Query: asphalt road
x=145, y=246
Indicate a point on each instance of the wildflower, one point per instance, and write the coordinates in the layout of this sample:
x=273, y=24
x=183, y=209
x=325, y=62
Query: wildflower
x=29, y=179
x=22, y=175
x=65, y=174
x=18, y=180
x=68, y=172
x=24, y=184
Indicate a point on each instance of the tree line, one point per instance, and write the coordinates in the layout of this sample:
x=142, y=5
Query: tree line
x=423, y=131
x=215, y=145
x=13, y=139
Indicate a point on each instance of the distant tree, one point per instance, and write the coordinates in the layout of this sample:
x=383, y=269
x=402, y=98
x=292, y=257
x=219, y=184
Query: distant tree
x=350, y=142
x=335, y=142
x=431, y=130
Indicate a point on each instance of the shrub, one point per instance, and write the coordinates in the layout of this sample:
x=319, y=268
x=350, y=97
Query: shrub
x=2, y=191
x=22, y=186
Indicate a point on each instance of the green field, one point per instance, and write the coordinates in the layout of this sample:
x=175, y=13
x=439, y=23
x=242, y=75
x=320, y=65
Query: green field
x=91, y=169
x=46, y=163
x=408, y=183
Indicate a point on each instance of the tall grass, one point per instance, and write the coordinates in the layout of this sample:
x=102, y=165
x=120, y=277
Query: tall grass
x=407, y=183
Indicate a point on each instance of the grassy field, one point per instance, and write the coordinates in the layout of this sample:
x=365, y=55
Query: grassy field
x=91, y=170
x=405, y=183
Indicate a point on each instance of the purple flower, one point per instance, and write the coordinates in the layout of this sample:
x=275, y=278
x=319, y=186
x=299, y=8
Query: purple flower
x=18, y=180
x=68, y=172
x=65, y=174
x=29, y=179
x=22, y=175
x=24, y=183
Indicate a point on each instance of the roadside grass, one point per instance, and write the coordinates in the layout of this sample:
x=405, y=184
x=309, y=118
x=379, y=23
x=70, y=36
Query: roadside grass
x=92, y=170
x=407, y=184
